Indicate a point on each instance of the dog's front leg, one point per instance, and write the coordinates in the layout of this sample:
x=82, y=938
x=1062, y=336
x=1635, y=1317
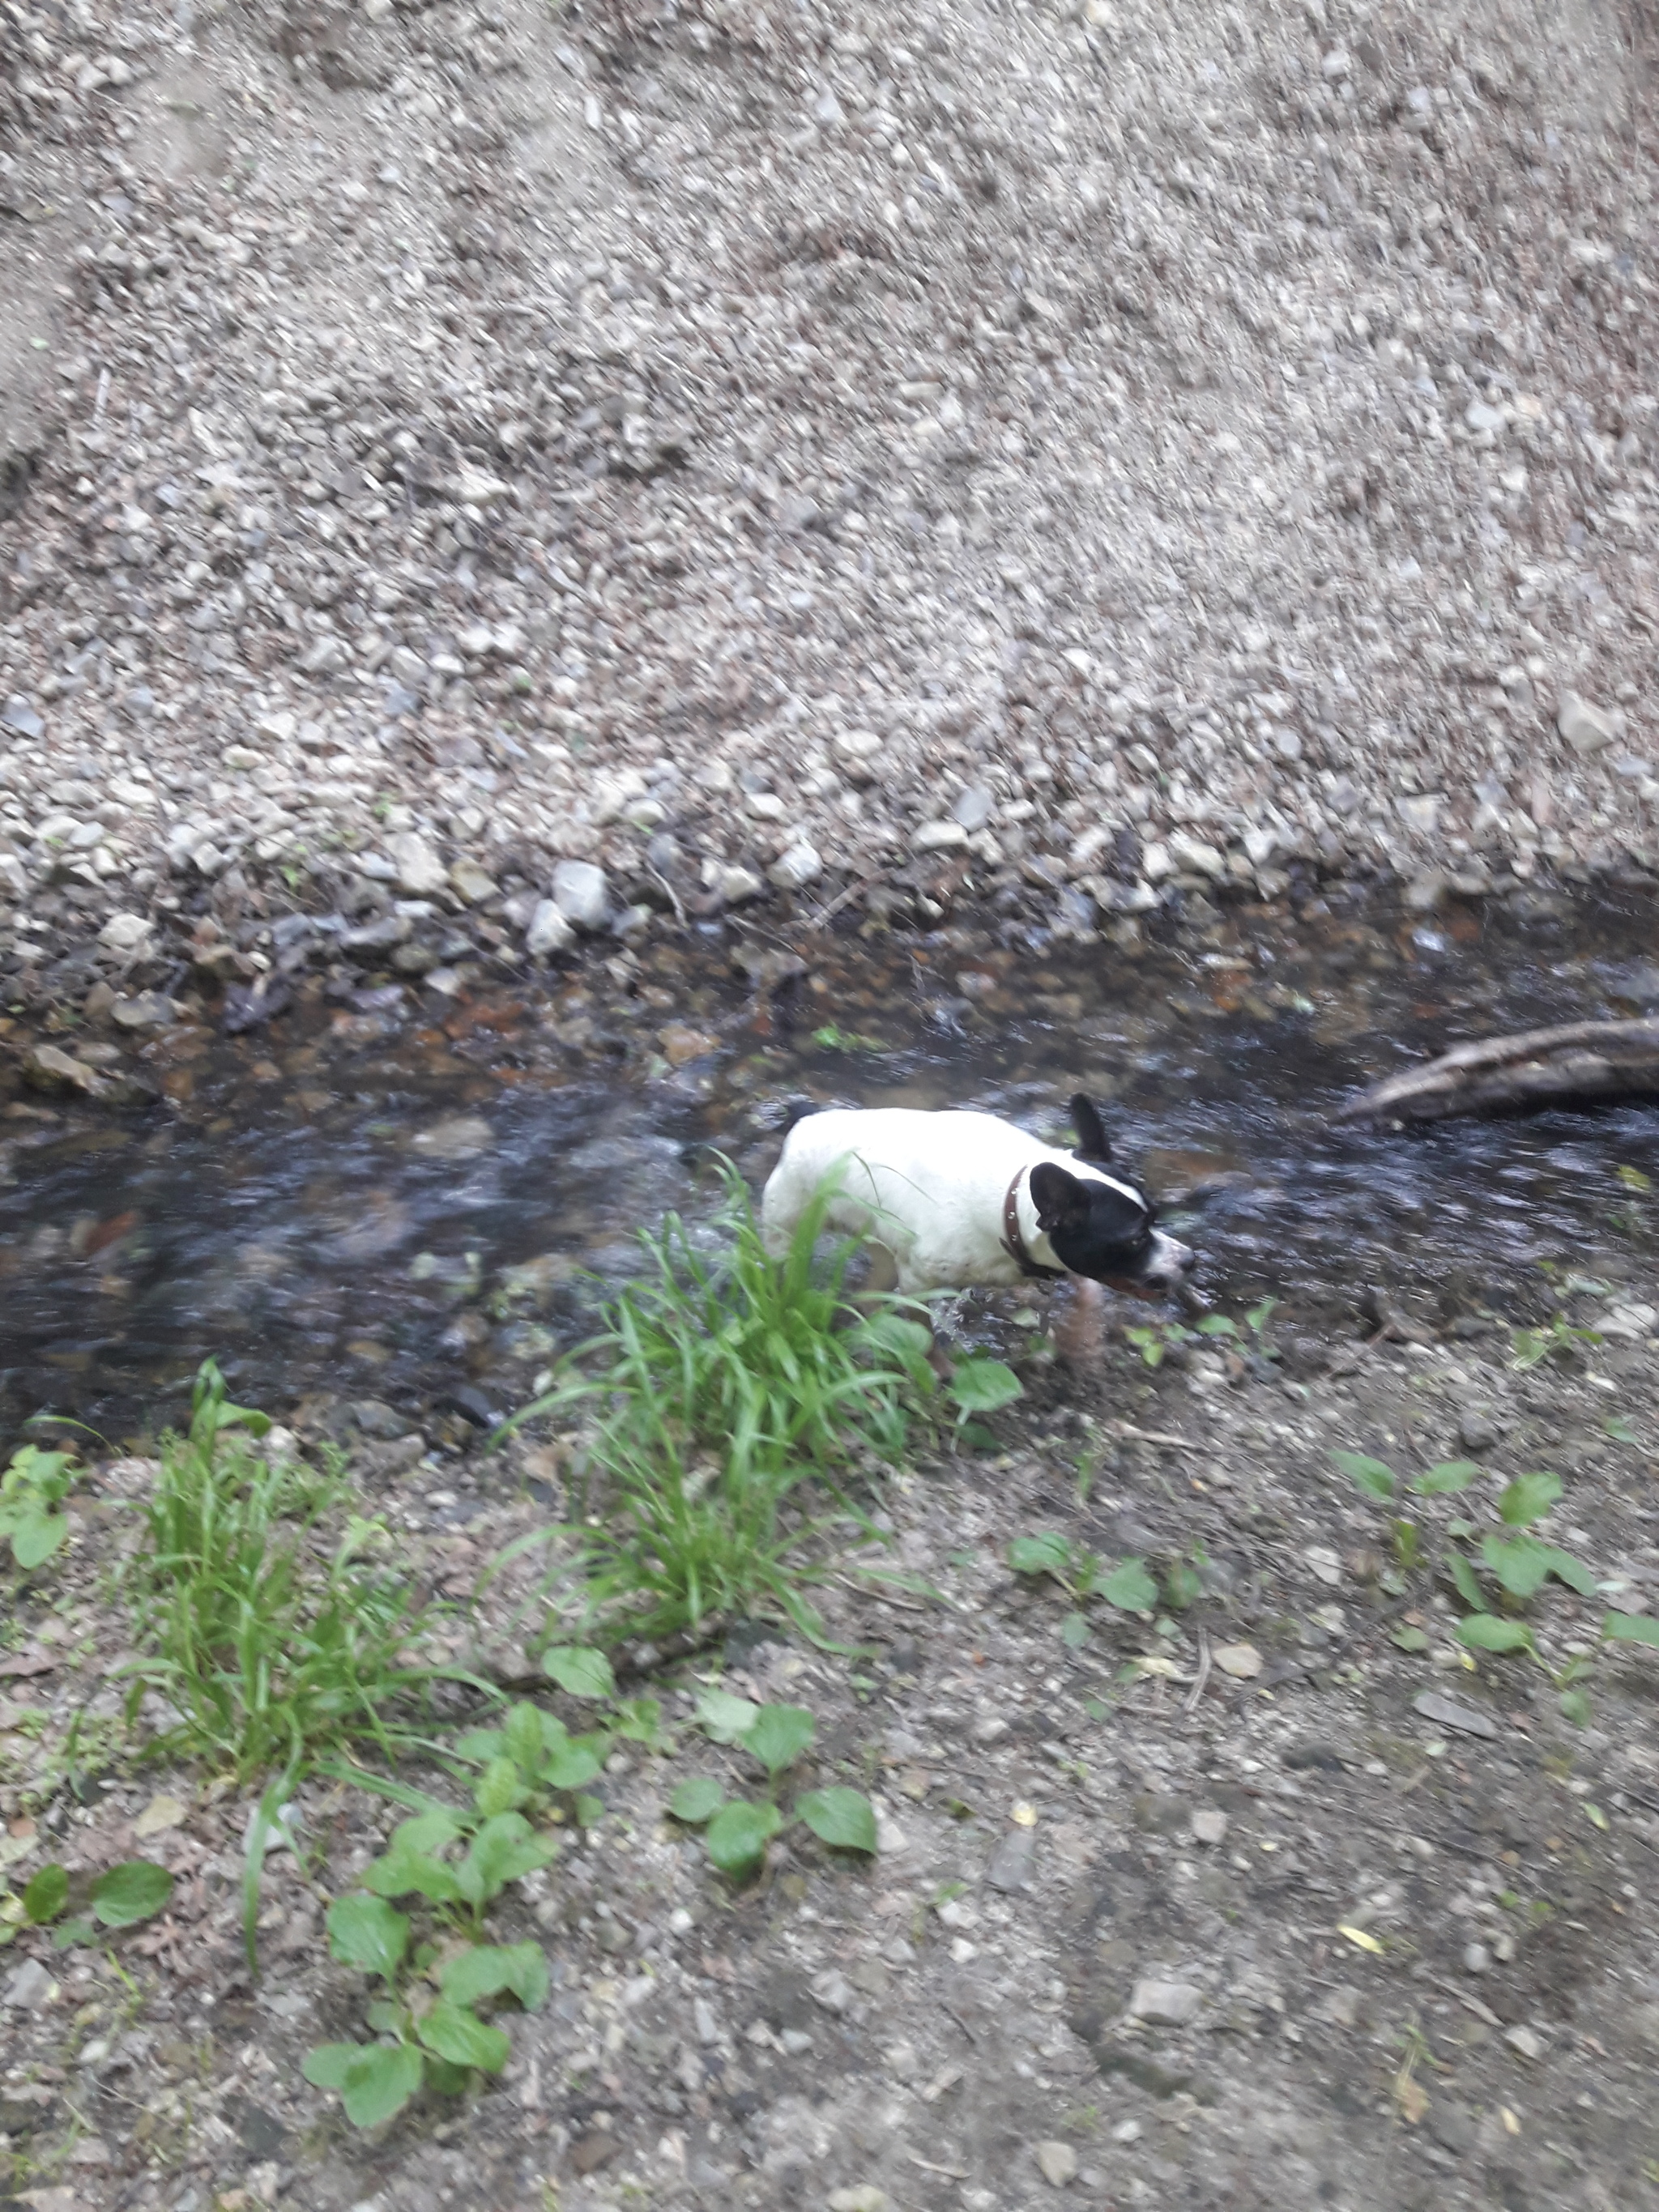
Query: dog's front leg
x=1080, y=1332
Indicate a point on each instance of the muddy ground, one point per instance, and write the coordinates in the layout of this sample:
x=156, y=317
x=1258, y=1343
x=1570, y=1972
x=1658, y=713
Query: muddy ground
x=1407, y=1957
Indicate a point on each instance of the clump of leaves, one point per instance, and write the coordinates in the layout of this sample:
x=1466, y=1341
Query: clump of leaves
x=455, y=1862
x=428, y=2027
x=1156, y=1339
x=1378, y=1479
x=1556, y=1339
x=121, y=1897
x=262, y=1611
x=32, y=1493
x=1127, y=1585
x=737, y=1830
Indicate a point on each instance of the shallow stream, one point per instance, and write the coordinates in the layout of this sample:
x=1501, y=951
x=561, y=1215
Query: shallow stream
x=397, y=1197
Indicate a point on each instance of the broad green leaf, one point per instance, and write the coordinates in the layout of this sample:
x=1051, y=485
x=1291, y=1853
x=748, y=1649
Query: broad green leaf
x=131, y=1893
x=366, y=1932
x=1528, y=1499
x=462, y=2038
x=589, y=1811
x=778, y=1735
x=840, y=1817
x=1484, y=1631
x=524, y=1738
x=45, y=1896
x=83, y=1929
x=1521, y=1563
x=503, y=1850
x=1129, y=1587
x=487, y=1969
x=1074, y=1631
x=1409, y=1640
x=1571, y=1571
x=1217, y=1325
x=1621, y=1429
x=498, y=1789
x=698, y=1798
x=574, y=1763
x=35, y=1536
x=980, y=1386
x=375, y=2081
x=1373, y=1476
x=1576, y=1708
x=326, y=2065
x=581, y=1672
x=1466, y=1583
x=1632, y=1628
x=738, y=1836
x=481, y=1744
x=723, y=1716
x=1049, y=1554
x=1632, y=1177
x=639, y=1720
x=1444, y=1480
x=408, y=1865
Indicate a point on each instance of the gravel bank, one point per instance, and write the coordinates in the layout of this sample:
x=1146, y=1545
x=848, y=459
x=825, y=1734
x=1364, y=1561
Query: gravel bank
x=1074, y=457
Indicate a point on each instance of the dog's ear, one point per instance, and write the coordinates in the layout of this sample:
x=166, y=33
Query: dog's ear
x=1058, y=1197
x=1093, y=1143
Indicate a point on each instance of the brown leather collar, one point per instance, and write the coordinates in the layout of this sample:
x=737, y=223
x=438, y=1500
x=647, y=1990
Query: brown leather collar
x=1014, y=1244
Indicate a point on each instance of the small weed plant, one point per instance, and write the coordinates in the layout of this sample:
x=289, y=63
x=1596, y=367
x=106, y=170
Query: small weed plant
x=1126, y=1585
x=719, y=1387
x=1557, y=1340
x=1497, y=1571
x=262, y=1616
x=32, y=1493
x=121, y=1897
x=737, y=1830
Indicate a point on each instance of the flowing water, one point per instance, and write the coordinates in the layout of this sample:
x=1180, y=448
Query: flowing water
x=402, y=1198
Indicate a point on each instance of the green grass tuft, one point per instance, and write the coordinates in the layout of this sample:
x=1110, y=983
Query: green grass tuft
x=719, y=1387
x=261, y=1616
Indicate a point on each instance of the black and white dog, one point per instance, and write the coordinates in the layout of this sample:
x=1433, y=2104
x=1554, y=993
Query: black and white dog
x=962, y=1201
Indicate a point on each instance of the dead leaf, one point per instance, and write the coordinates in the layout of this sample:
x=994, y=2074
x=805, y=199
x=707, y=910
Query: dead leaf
x=1362, y=1939
x=1241, y=1661
x=1411, y=2098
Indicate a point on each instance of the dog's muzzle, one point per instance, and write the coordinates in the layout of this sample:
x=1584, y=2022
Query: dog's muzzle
x=1170, y=1264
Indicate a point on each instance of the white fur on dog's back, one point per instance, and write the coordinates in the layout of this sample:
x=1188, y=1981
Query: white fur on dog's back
x=929, y=1186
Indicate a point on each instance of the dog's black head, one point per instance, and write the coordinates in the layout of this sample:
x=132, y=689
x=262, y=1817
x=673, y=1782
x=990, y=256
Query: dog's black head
x=1101, y=1224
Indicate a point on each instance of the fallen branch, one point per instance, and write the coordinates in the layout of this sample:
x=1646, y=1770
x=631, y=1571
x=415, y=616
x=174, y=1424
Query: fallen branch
x=1581, y=1061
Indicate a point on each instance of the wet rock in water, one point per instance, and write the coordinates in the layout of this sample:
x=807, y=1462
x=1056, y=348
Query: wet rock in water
x=457, y=1137
x=373, y=1417
x=48, y=1067
x=582, y=894
x=681, y=1043
x=420, y=870
x=149, y=1009
x=550, y=932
